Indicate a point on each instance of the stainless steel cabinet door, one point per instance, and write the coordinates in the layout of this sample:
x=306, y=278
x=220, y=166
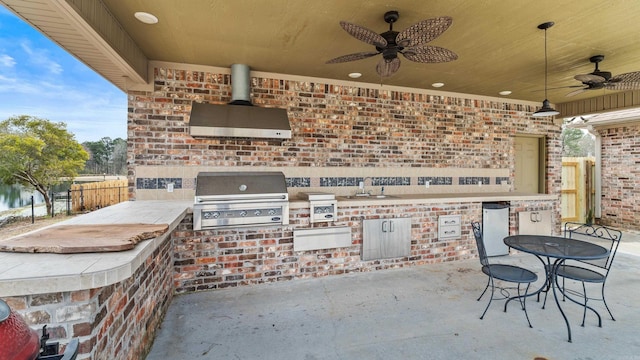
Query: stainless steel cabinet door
x=386, y=238
x=535, y=222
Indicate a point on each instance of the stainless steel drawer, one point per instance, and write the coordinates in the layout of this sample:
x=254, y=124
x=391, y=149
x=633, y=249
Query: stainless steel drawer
x=449, y=227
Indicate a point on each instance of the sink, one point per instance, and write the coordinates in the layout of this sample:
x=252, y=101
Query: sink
x=367, y=197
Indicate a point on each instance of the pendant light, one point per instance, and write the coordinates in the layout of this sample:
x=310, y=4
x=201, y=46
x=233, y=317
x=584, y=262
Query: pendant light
x=546, y=109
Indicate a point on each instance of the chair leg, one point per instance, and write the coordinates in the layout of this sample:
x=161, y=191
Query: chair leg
x=605, y=304
x=520, y=299
x=546, y=291
x=485, y=290
x=490, y=298
x=524, y=302
x=584, y=313
x=544, y=302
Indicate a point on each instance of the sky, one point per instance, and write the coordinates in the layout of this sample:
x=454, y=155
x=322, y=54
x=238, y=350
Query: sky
x=38, y=78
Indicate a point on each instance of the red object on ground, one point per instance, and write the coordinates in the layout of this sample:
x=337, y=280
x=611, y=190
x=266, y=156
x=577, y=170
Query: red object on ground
x=17, y=340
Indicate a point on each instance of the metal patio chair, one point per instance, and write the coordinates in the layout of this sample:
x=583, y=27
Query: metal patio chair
x=589, y=271
x=502, y=272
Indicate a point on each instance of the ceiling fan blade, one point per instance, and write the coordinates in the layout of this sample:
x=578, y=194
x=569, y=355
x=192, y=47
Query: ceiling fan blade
x=590, y=78
x=429, y=54
x=364, y=34
x=562, y=87
x=423, y=31
x=387, y=68
x=353, y=57
x=576, y=92
x=627, y=81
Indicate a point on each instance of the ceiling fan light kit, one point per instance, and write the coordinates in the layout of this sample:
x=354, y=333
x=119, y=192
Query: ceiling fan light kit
x=411, y=43
x=546, y=109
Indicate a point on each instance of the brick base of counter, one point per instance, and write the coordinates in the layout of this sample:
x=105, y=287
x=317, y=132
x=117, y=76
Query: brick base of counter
x=113, y=322
x=216, y=259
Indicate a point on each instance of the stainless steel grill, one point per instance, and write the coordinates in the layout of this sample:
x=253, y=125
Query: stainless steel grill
x=236, y=199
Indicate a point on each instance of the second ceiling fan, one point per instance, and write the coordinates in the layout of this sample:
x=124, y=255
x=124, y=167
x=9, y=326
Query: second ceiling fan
x=409, y=42
x=603, y=80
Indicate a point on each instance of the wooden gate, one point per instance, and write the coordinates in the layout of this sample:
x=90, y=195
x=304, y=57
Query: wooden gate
x=578, y=189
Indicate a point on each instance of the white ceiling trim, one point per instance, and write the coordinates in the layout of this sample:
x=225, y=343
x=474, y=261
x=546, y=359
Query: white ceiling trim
x=74, y=19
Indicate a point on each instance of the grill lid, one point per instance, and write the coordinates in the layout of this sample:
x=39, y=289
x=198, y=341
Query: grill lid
x=211, y=185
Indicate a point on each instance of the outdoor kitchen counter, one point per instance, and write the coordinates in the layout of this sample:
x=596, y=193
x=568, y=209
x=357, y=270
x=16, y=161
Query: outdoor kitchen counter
x=431, y=198
x=37, y=273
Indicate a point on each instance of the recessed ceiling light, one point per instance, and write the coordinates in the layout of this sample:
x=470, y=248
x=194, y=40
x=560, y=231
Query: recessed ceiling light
x=355, y=75
x=505, y=92
x=146, y=18
x=437, y=85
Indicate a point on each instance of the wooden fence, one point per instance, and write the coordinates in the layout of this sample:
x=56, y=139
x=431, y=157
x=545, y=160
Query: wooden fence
x=91, y=196
x=578, y=192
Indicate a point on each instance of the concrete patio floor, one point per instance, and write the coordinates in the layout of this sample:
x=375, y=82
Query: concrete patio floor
x=422, y=312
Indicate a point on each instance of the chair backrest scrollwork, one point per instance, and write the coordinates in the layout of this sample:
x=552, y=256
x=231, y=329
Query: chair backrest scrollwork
x=598, y=234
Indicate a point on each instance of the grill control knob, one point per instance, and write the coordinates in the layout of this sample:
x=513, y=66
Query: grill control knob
x=257, y=212
x=272, y=212
x=211, y=214
x=243, y=213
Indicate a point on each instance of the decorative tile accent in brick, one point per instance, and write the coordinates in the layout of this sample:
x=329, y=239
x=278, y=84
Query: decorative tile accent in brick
x=435, y=180
x=302, y=182
x=501, y=180
x=298, y=182
x=473, y=180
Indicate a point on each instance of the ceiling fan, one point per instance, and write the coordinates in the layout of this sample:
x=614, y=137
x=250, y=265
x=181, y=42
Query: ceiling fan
x=409, y=42
x=603, y=80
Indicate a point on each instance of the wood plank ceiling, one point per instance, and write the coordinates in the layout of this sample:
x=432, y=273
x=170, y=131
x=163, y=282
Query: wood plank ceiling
x=498, y=44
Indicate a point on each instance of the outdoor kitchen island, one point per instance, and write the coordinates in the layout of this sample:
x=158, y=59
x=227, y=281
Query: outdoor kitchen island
x=111, y=301
x=114, y=302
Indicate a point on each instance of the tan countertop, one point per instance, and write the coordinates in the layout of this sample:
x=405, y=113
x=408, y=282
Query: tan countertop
x=29, y=273
x=430, y=198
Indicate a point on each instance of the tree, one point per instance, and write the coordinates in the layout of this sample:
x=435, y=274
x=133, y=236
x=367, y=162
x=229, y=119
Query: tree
x=120, y=156
x=107, y=156
x=38, y=153
x=577, y=143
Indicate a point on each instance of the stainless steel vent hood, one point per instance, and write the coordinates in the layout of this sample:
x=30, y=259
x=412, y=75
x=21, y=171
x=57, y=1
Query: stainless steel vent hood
x=239, y=118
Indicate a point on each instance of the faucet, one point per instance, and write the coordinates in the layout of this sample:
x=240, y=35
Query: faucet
x=362, y=191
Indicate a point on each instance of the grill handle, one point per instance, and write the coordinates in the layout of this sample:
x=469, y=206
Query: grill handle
x=238, y=199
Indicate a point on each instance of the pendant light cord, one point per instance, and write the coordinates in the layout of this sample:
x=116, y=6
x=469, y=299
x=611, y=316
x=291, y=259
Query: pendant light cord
x=545, y=64
x=546, y=109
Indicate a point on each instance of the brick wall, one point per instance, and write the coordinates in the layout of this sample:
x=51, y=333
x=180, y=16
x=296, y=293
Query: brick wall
x=113, y=322
x=621, y=176
x=334, y=124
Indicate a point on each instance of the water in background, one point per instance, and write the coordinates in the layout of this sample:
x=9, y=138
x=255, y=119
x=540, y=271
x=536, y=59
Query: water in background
x=15, y=196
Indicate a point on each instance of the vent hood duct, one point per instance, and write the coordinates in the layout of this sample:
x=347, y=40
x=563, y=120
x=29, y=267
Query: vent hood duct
x=240, y=118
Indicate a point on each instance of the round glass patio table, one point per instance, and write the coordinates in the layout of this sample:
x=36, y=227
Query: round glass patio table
x=559, y=249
